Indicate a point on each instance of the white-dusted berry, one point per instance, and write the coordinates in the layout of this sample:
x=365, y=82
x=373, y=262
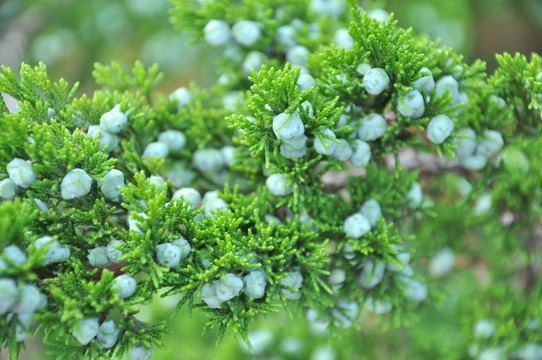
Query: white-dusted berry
x=345, y=314
x=376, y=80
x=108, y=334
x=379, y=15
x=412, y=105
x=180, y=175
x=97, y=257
x=286, y=36
x=9, y=293
x=105, y=138
x=216, y=32
x=184, y=247
x=484, y=329
x=356, y=225
x=14, y=254
x=113, y=180
x=342, y=151
x=208, y=295
x=442, y=262
x=474, y=162
x=414, y=196
x=491, y=143
x=138, y=352
x=372, y=274
x=228, y=287
x=76, y=183
x=513, y=159
x=447, y=83
x=190, y=195
x=305, y=82
x=57, y=252
x=377, y=306
x=325, y=147
x=114, y=252
x=361, y=153
x=114, y=120
x=228, y=154
x=483, y=205
x=278, y=185
x=8, y=188
x=208, y=160
x=286, y=126
x=439, y=128
x=253, y=61
x=174, y=139
x=20, y=172
x=414, y=290
x=181, y=97
x=255, y=283
x=371, y=210
x=328, y=7
x=125, y=285
x=463, y=99
x=343, y=39
x=28, y=301
x=85, y=330
x=466, y=142
x=168, y=255
x=297, y=55
x=294, y=280
x=372, y=127
x=156, y=150
x=294, y=148
x=246, y=32
x=426, y=82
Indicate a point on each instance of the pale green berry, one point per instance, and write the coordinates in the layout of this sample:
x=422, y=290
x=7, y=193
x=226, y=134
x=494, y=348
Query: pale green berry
x=325, y=147
x=343, y=39
x=287, y=126
x=125, y=286
x=85, y=330
x=361, y=153
x=466, y=142
x=492, y=142
x=168, y=255
x=372, y=274
x=255, y=283
x=286, y=36
x=28, y=301
x=105, y=138
x=138, y=352
x=473, y=162
x=345, y=314
x=412, y=105
x=376, y=80
x=114, y=252
x=371, y=210
x=442, y=263
x=305, y=82
x=208, y=295
x=447, y=83
x=246, y=32
x=174, y=139
x=294, y=279
x=297, y=55
x=76, y=183
x=190, y=195
x=342, y=150
x=13, y=254
x=181, y=97
x=216, y=32
x=372, y=127
x=208, y=160
x=156, y=150
x=20, y=172
x=97, y=257
x=112, y=183
x=294, y=148
x=8, y=188
x=414, y=290
x=9, y=293
x=414, y=196
x=108, y=334
x=356, y=225
x=439, y=128
x=514, y=160
x=228, y=287
x=484, y=329
x=114, y=120
x=426, y=82
x=277, y=184
x=184, y=247
x=57, y=252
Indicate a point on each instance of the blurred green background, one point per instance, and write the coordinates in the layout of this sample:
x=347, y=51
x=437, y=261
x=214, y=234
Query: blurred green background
x=70, y=35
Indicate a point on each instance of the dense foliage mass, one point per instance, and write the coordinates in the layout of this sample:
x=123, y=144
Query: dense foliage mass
x=223, y=195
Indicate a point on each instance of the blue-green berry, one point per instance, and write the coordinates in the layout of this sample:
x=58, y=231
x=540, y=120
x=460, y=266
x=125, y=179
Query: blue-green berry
x=228, y=287
x=157, y=181
x=108, y=334
x=125, y=285
x=356, y=225
x=20, y=172
x=371, y=210
x=447, y=83
x=112, y=183
x=466, y=142
x=294, y=148
x=380, y=15
x=114, y=252
x=105, y=138
x=439, y=128
x=343, y=39
x=168, y=255
x=483, y=204
x=286, y=36
x=246, y=32
x=425, y=82
x=294, y=279
x=77, y=183
x=345, y=314
x=372, y=274
x=253, y=61
x=228, y=154
x=23, y=329
x=190, y=195
x=97, y=257
x=414, y=196
x=184, y=247
x=514, y=160
x=414, y=289
x=85, y=330
x=216, y=32
x=287, y=127
x=138, y=352
x=57, y=252
x=28, y=300
x=325, y=146
x=372, y=127
x=255, y=283
x=181, y=97
x=180, y=175
x=361, y=153
x=174, y=139
x=14, y=255
x=297, y=55
x=208, y=295
x=376, y=80
x=484, y=329
x=156, y=150
x=442, y=262
x=411, y=105
x=8, y=189
x=473, y=162
x=305, y=82
x=214, y=205
x=114, y=120
x=492, y=142
x=9, y=293
x=277, y=184
x=208, y=160
x=342, y=150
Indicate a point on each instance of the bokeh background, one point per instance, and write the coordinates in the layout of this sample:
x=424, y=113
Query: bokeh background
x=71, y=35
